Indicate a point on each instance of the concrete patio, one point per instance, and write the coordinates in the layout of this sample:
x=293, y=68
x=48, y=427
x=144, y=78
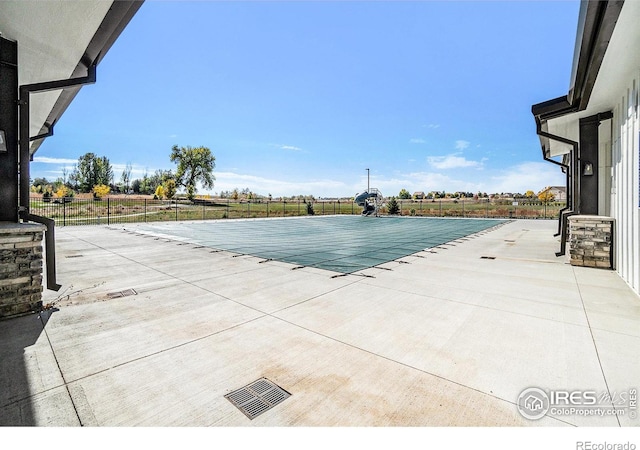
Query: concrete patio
x=441, y=338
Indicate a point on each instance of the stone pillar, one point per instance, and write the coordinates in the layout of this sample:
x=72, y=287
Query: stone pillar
x=20, y=268
x=590, y=241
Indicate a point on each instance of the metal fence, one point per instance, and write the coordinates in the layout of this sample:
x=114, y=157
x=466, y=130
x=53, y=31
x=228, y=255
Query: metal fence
x=81, y=211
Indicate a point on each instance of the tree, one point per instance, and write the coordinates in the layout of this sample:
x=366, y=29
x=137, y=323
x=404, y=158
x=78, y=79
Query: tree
x=91, y=171
x=100, y=190
x=62, y=191
x=404, y=194
x=194, y=165
x=546, y=196
x=310, y=210
x=169, y=188
x=392, y=207
x=40, y=185
x=126, y=177
x=159, y=194
x=529, y=194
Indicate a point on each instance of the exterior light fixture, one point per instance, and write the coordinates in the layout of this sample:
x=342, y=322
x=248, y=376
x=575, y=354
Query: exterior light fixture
x=3, y=142
x=588, y=169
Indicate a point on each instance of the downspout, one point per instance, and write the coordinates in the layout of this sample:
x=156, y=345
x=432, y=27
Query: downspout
x=25, y=157
x=571, y=187
x=565, y=169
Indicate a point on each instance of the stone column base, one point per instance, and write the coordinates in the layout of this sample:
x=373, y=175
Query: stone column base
x=590, y=241
x=20, y=268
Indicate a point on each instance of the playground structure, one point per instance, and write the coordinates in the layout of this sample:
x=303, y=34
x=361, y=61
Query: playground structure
x=371, y=201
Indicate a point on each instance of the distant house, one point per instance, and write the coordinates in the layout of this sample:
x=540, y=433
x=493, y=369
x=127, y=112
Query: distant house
x=559, y=193
x=419, y=195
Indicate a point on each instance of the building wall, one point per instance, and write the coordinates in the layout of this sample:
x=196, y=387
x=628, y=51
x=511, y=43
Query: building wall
x=604, y=168
x=625, y=183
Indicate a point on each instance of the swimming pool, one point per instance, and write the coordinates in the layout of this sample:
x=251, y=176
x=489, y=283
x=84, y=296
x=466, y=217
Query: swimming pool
x=343, y=244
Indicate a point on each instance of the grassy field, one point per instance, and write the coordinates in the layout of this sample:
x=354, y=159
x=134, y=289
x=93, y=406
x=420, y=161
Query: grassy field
x=81, y=211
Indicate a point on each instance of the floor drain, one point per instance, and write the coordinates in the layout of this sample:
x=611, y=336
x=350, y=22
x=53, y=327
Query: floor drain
x=73, y=256
x=125, y=293
x=487, y=257
x=257, y=397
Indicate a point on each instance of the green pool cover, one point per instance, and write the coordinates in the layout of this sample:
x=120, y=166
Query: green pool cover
x=343, y=244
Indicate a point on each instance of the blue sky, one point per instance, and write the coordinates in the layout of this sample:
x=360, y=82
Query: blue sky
x=301, y=97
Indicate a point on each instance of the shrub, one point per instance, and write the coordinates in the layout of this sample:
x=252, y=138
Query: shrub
x=100, y=190
x=310, y=210
x=392, y=206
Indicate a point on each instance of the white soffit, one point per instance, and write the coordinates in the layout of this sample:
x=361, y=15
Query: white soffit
x=566, y=127
x=52, y=37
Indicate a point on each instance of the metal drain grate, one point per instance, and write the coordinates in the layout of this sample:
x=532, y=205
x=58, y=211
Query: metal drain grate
x=257, y=397
x=487, y=257
x=125, y=293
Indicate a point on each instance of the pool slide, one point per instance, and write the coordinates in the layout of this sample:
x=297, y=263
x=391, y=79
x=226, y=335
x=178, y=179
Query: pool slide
x=370, y=201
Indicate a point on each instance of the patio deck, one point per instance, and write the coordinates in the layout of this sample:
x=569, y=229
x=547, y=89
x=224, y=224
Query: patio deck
x=442, y=338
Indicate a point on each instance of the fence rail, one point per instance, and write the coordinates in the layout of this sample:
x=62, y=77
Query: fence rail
x=80, y=211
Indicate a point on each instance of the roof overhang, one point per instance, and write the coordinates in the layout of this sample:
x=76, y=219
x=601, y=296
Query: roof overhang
x=603, y=64
x=58, y=40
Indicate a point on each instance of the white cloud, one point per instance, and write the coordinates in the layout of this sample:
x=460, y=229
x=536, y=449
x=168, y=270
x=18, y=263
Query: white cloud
x=417, y=141
x=451, y=162
x=519, y=178
x=290, y=147
x=527, y=176
x=461, y=145
x=431, y=126
x=47, y=160
x=227, y=181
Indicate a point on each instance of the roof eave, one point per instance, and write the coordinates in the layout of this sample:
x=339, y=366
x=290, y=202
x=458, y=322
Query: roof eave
x=596, y=23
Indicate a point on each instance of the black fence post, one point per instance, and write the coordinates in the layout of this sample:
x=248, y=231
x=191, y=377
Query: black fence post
x=284, y=207
x=462, y=207
x=298, y=206
x=108, y=211
x=248, y=208
x=176, y=202
x=145, y=210
x=440, y=208
x=203, y=206
x=64, y=211
x=267, y=208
